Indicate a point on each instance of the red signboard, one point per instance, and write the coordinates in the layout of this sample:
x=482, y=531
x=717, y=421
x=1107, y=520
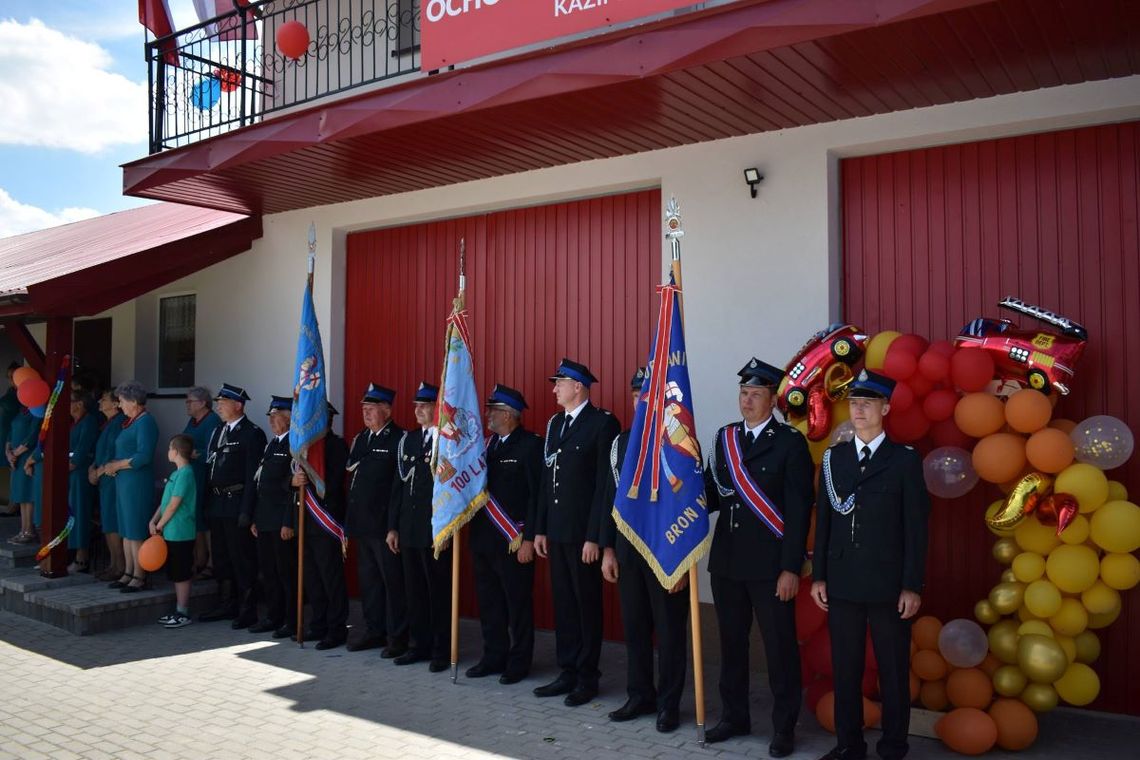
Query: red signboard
x=459, y=30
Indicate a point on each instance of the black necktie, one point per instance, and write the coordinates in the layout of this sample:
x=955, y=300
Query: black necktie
x=749, y=439
x=565, y=426
x=865, y=458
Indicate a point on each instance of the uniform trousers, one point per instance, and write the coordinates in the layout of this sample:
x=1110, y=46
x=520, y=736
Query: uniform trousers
x=235, y=554
x=382, y=595
x=737, y=602
x=890, y=637
x=505, y=589
x=428, y=584
x=577, y=591
x=277, y=561
x=646, y=608
x=324, y=584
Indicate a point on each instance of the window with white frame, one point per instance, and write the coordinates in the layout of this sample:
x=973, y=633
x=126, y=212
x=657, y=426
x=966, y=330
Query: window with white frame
x=176, y=341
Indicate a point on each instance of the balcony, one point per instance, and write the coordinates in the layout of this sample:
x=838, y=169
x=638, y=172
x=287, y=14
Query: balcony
x=226, y=72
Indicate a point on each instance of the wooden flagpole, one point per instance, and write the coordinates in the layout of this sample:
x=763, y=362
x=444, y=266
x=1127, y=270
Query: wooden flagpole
x=300, y=568
x=459, y=304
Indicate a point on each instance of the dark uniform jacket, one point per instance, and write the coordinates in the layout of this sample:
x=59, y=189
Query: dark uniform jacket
x=409, y=511
x=878, y=549
x=743, y=547
x=371, y=472
x=609, y=537
x=233, y=466
x=336, y=457
x=571, y=502
x=276, y=497
x=514, y=474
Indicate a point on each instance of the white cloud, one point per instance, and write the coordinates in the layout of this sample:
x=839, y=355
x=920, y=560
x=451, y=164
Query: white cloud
x=57, y=92
x=17, y=218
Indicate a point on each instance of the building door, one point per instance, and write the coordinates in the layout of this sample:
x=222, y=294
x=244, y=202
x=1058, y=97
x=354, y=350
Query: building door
x=93, y=350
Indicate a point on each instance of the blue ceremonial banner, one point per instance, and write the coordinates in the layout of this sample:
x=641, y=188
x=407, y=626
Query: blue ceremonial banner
x=310, y=420
x=660, y=505
x=459, y=461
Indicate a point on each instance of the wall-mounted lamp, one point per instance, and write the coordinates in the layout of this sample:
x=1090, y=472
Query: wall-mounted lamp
x=753, y=177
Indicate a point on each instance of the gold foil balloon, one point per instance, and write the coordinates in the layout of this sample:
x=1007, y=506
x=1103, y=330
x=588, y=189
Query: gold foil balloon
x=1006, y=597
x=1035, y=626
x=992, y=510
x=985, y=613
x=1009, y=681
x=1005, y=549
x=1039, y=697
x=1041, y=658
x=1003, y=641
x=1022, y=500
x=1007, y=576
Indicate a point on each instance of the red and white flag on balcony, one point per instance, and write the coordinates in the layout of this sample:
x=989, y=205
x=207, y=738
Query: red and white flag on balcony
x=229, y=28
x=155, y=16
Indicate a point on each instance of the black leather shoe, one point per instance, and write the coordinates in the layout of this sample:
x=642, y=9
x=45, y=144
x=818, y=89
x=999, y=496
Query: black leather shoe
x=311, y=635
x=328, y=643
x=438, y=666
x=509, y=677
x=667, y=720
x=409, y=657
x=782, y=744
x=846, y=753
x=264, y=626
x=245, y=620
x=366, y=642
x=393, y=650
x=285, y=632
x=481, y=669
x=219, y=613
x=580, y=696
x=564, y=684
x=725, y=730
x=633, y=708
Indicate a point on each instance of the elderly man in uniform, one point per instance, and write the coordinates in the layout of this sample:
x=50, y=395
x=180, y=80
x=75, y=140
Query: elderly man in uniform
x=274, y=526
x=233, y=456
x=646, y=608
x=372, y=465
x=426, y=578
x=760, y=479
x=870, y=556
x=504, y=582
x=570, y=508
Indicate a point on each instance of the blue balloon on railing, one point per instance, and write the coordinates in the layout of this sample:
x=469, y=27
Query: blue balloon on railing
x=38, y=411
x=206, y=94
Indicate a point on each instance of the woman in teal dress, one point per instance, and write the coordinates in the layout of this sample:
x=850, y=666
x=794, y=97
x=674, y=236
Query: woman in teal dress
x=9, y=408
x=80, y=494
x=24, y=433
x=133, y=470
x=113, y=421
x=200, y=426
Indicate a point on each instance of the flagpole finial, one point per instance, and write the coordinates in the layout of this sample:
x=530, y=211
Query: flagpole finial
x=462, y=264
x=673, y=231
x=312, y=246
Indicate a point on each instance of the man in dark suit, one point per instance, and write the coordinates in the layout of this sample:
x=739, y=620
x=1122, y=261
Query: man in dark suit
x=274, y=524
x=760, y=479
x=372, y=465
x=868, y=566
x=646, y=608
x=427, y=580
x=504, y=582
x=570, y=508
x=233, y=457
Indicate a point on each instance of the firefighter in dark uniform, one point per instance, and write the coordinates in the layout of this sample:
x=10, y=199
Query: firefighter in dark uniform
x=371, y=471
x=274, y=526
x=570, y=507
x=427, y=580
x=504, y=581
x=760, y=479
x=868, y=566
x=646, y=608
x=233, y=457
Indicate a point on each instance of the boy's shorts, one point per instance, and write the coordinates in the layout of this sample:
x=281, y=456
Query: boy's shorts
x=179, y=560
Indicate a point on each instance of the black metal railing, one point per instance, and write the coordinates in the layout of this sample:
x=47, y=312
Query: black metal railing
x=227, y=73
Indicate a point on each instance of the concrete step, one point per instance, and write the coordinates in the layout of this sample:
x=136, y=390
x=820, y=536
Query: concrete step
x=16, y=555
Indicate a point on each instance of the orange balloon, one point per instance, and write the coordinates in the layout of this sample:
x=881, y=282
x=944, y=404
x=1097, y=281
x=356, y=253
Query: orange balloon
x=872, y=713
x=1049, y=450
x=825, y=711
x=152, y=554
x=1016, y=724
x=1027, y=411
x=999, y=457
x=967, y=730
x=924, y=633
x=915, y=686
x=979, y=414
x=20, y=374
x=969, y=687
x=990, y=664
x=932, y=695
x=1065, y=426
x=929, y=665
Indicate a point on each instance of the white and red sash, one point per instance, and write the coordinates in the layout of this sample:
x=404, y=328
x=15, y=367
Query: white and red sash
x=746, y=487
x=511, y=530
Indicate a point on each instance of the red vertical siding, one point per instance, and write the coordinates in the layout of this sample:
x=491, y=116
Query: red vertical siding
x=933, y=238
x=572, y=279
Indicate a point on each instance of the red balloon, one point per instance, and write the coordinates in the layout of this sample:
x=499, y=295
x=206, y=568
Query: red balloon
x=920, y=385
x=933, y=365
x=292, y=39
x=907, y=426
x=944, y=347
x=229, y=78
x=911, y=343
x=816, y=689
x=902, y=398
x=33, y=393
x=971, y=369
x=946, y=433
x=939, y=405
x=899, y=364
x=817, y=653
x=809, y=617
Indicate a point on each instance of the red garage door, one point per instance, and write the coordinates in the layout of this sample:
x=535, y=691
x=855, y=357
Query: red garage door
x=934, y=238
x=572, y=279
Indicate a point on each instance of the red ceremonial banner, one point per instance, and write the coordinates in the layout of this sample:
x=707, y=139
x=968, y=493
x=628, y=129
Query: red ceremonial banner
x=452, y=31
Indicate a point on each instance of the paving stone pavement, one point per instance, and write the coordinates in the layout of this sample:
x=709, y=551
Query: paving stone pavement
x=206, y=691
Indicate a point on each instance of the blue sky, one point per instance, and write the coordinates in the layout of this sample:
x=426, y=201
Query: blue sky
x=73, y=90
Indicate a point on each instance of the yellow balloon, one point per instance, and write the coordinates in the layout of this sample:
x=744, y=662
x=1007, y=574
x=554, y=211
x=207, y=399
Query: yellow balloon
x=1009, y=681
x=1024, y=615
x=1006, y=597
x=1032, y=536
x=1077, y=532
x=1116, y=527
x=1117, y=491
x=1120, y=571
x=1039, y=627
x=1100, y=598
x=985, y=613
x=1042, y=599
x=1103, y=619
x=1041, y=658
x=1072, y=568
x=1003, y=641
x=1071, y=619
x=991, y=511
x=1079, y=685
x=877, y=348
x=1069, y=644
x=1084, y=481
x=1088, y=647
x=1028, y=566
x=1005, y=549
x=1039, y=697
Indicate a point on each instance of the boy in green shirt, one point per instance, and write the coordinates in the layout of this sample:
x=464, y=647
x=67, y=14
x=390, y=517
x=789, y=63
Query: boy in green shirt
x=176, y=519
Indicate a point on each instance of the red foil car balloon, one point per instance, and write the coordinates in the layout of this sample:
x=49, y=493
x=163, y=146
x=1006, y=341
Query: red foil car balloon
x=818, y=375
